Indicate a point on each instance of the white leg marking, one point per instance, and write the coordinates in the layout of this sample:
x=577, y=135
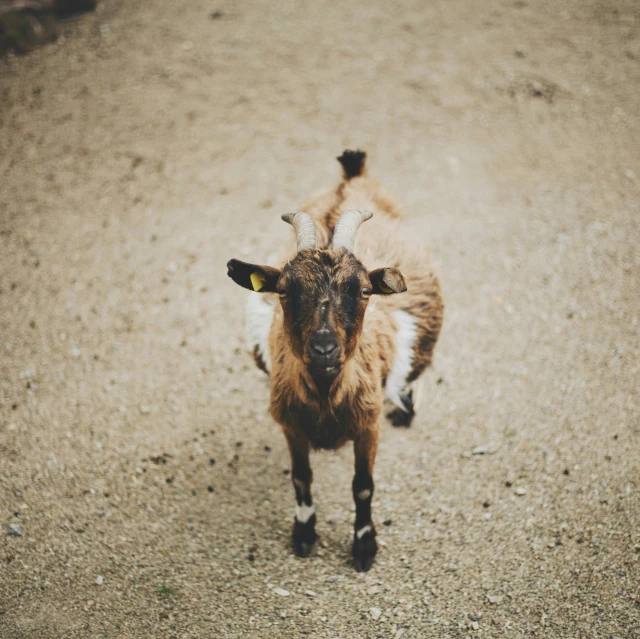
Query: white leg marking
x=363, y=531
x=304, y=512
x=259, y=315
x=406, y=335
x=364, y=494
x=418, y=393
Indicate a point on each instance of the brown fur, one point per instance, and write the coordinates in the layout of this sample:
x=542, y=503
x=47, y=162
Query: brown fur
x=382, y=241
x=362, y=193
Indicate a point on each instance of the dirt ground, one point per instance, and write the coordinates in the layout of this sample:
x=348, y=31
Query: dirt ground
x=156, y=140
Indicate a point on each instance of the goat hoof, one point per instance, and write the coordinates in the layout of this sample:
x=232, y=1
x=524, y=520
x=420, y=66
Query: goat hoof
x=364, y=550
x=302, y=549
x=304, y=536
x=400, y=419
x=403, y=417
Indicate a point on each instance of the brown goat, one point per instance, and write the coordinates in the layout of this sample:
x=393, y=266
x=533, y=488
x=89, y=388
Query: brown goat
x=334, y=354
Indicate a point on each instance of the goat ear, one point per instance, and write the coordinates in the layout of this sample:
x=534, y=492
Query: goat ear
x=253, y=276
x=387, y=281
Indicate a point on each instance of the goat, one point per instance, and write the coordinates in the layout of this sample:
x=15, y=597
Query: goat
x=341, y=340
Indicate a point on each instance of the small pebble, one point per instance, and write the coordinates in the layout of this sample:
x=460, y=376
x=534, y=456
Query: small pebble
x=375, y=613
x=520, y=491
x=481, y=450
x=99, y=580
x=15, y=530
x=282, y=592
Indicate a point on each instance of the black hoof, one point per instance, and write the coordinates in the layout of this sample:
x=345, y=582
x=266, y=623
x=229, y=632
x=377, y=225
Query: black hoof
x=303, y=537
x=402, y=417
x=364, y=550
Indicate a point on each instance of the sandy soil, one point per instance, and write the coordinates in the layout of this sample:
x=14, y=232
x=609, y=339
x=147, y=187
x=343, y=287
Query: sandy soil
x=152, y=143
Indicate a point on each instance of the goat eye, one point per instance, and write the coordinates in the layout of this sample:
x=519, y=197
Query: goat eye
x=365, y=293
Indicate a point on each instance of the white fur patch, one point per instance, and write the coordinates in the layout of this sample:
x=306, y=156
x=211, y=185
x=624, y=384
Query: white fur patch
x=363, y=531
x=304, y=512
x=364, y=494
x=259, y=318
x=406, y=334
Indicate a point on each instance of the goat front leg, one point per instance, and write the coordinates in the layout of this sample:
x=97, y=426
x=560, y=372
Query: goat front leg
x=304, y=525
x=365, y=547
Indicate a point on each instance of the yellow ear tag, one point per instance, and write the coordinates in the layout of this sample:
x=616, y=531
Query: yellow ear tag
x=404, y=277
x=257, y=281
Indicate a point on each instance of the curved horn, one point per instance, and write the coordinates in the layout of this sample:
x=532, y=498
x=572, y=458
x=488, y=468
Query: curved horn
x=305, y=230
x=344, y=235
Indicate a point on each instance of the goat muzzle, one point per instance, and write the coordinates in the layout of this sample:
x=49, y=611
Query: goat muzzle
x=324, y=356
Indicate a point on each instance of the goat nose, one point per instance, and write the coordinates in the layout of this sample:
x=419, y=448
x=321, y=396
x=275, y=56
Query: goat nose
x=324, y=345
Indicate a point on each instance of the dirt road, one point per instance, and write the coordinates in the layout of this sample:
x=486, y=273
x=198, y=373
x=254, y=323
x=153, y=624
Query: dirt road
x=143, y=486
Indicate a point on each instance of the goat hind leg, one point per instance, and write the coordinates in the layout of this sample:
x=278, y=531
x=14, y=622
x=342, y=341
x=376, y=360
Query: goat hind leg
x=403, y=416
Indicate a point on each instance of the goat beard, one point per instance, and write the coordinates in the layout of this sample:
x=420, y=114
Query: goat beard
x=320, y=384
x=324, y=382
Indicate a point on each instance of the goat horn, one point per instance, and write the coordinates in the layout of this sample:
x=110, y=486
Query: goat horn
x=344, y=235
x=305, y=230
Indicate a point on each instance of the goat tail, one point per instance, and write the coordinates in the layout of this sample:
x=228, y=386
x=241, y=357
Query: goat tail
x=353, y=163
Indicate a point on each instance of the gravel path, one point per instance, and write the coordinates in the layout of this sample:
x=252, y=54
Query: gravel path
x=144, y=488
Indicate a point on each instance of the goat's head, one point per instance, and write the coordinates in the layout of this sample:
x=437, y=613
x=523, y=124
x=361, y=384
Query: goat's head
x=324, y=293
